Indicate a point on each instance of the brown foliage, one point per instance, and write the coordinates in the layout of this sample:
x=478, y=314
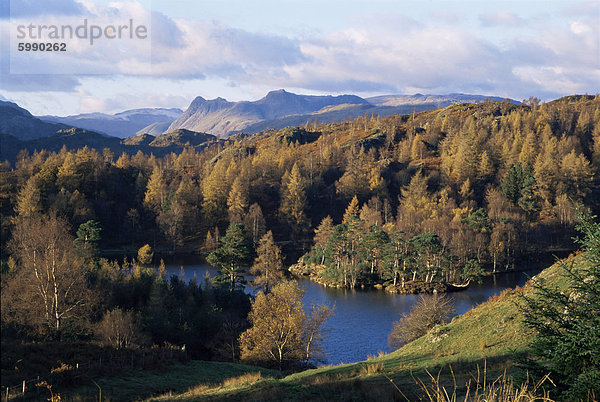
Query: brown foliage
x=423, y=316
x=49, y=286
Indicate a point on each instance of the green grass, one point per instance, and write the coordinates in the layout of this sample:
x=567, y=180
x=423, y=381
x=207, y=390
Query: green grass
x=177, y=378
x=479, y=346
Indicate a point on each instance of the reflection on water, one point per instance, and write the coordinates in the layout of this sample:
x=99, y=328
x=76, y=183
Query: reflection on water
x=363, y=319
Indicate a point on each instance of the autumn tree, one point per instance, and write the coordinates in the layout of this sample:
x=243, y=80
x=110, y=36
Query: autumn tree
x=255, y=224
x=120, y=329
x=430, y=310
x=156, y=191
x=322, y=234
x=293, y=201
x=214, y=193
x=352, y=211
x=280, y=332
x=237, y=202
x=29, y=199
x=145, y=255
x=51, y=276
x=268, y=265
x=356, y=180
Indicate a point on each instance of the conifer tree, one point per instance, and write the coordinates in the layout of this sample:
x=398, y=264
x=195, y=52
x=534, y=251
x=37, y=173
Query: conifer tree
x=566, y=321
x=322, y=234
x=254, y=223
x=293, y=202
x=214, y=193
x=268, y=265
x=29, y=199
x=156, y=191
x=232, y=254
x=352, y=211
x=237, y=202
x=415, y=196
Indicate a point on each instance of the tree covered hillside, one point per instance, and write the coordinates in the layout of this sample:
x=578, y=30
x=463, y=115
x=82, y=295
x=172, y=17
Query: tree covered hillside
x=490, y=180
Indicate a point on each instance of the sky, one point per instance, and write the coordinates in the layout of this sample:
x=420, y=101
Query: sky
x=240, y=50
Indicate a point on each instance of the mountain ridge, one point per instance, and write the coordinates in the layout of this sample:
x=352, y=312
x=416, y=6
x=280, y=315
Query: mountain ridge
x=280, y=108
x=221, y=117
x=122, y=124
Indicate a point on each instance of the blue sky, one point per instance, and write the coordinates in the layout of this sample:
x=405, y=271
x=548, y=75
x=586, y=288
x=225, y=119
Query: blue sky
x=240, y=50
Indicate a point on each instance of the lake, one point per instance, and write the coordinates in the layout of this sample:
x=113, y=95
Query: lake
x=363, y=318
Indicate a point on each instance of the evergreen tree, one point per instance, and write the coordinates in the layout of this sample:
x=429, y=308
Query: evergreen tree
x=566, y=321
x=232, y=254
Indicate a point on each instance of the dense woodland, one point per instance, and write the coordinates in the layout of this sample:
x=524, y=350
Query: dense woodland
x=436, y=196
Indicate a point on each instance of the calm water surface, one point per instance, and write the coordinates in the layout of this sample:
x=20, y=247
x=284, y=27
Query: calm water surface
x=363, y=318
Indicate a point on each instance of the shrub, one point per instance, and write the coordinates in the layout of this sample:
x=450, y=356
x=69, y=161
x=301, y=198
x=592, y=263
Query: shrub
x=423, y=316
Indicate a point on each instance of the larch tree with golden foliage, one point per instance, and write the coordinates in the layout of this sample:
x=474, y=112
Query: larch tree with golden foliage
x=29, y=199
x=214, y=193
x=293, y=202
x=156, y=191
x=268, y=265
x=237, y=202
x=352, y=211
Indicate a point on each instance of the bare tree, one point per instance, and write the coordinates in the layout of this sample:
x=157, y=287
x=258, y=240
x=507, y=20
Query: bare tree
x=50, y=279
x=427, y=313
x=120, y=329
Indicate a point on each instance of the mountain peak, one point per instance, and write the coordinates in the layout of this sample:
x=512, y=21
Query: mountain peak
x=198, y=100
x=278, y=91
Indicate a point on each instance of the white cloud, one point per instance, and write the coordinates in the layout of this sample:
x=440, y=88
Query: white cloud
x=501, y=18
x=375, y=54
x=578, y=27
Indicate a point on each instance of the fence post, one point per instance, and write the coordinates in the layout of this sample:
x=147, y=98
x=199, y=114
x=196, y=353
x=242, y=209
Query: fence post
x=23, y=387
x=7, y=393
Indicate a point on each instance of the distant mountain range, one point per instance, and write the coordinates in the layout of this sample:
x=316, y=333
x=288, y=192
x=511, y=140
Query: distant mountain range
x=221, y=117
x=279, y=109
x=124, y=124
x=160, y=130
x=20, y=130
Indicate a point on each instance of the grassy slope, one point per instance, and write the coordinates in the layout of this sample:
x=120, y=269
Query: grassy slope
x=134, y=385
x=483, y=342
